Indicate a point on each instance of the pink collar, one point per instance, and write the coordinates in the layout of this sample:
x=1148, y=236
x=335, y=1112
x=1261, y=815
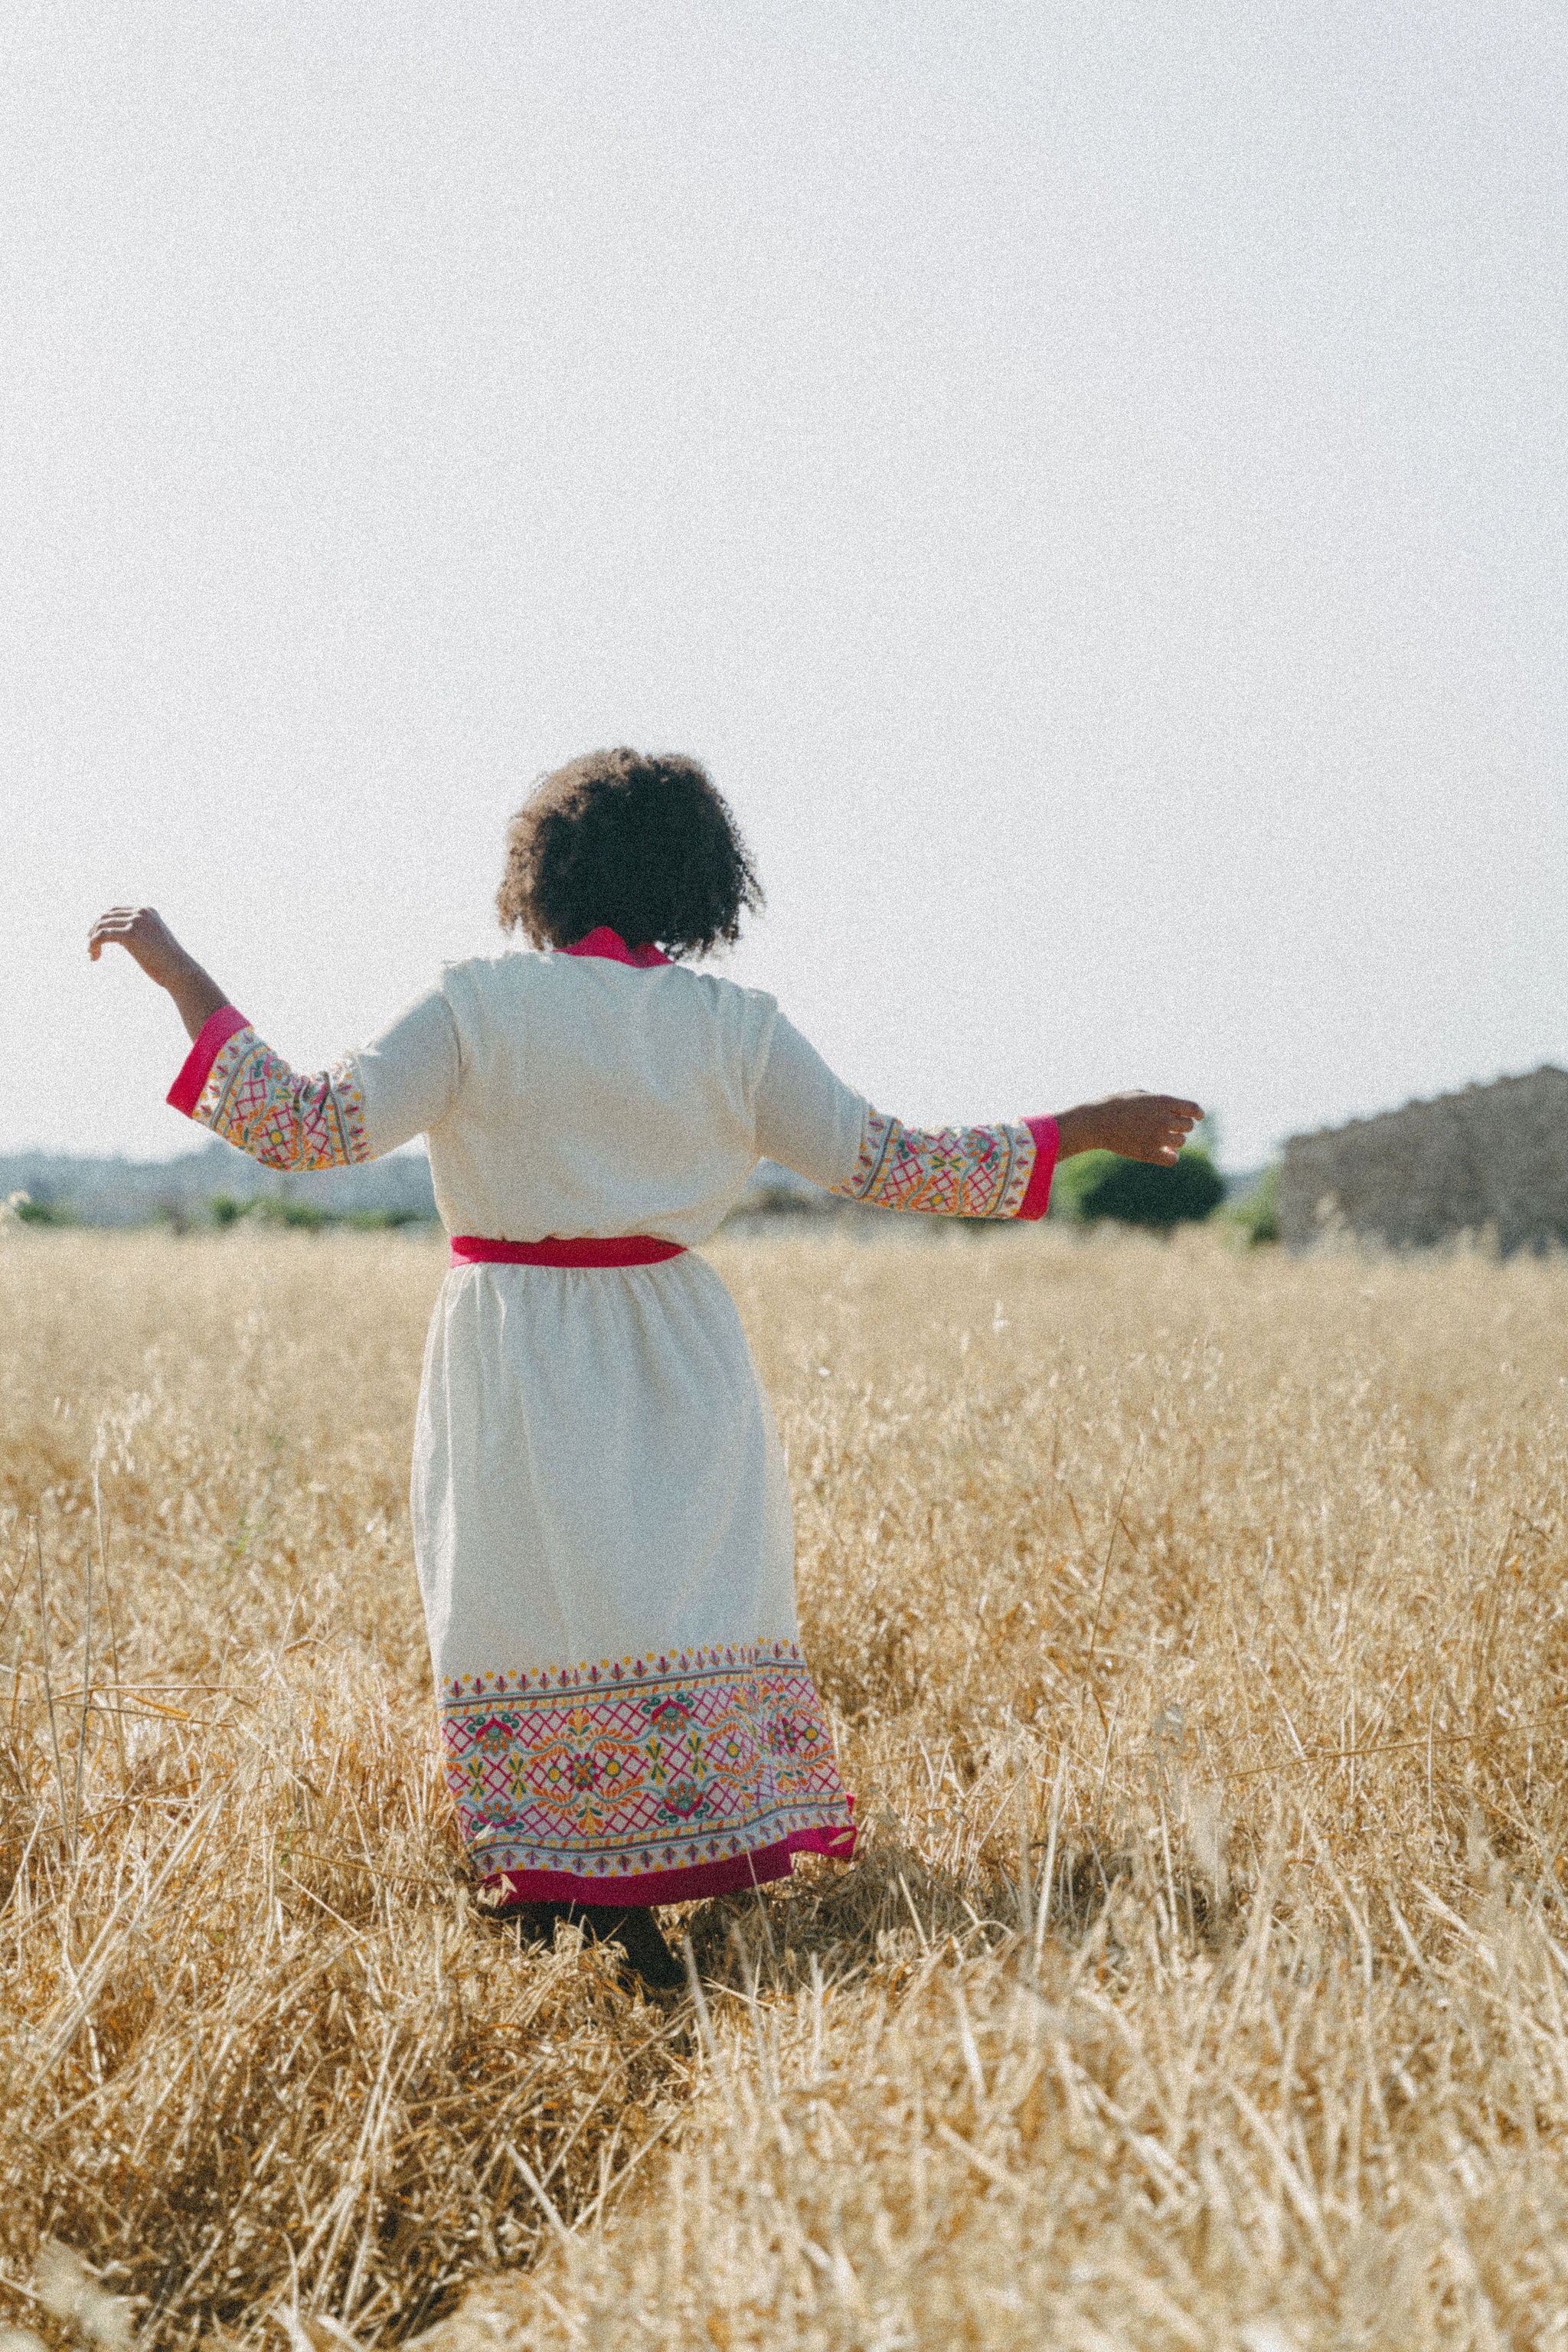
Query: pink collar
x=606, y=942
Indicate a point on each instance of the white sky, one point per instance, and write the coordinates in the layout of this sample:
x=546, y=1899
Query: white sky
x=1088, y=477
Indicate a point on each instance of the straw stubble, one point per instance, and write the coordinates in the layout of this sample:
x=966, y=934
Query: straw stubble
x=1192, y=1627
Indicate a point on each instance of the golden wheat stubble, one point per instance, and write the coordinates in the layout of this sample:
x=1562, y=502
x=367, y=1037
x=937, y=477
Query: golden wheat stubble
x=1224, y=1586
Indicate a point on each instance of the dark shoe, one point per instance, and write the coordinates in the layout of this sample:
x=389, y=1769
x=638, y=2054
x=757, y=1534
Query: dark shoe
x=632, y=1925
x=637, y=1932
x=534, y=1922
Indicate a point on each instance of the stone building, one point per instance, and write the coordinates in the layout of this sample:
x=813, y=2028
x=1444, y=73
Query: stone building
x=1493, y=1158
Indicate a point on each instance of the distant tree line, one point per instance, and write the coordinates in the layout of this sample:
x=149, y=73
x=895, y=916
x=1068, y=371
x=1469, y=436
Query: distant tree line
x=222, y=1209
x=1095, y=1188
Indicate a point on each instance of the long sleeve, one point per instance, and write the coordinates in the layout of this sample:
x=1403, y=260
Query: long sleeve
x=809, y=1121
x=399, y=1086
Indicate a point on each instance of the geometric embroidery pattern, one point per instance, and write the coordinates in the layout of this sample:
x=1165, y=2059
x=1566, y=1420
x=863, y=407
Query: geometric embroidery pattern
x=952, y=1171
x=253, y=1099
x=640, y=1764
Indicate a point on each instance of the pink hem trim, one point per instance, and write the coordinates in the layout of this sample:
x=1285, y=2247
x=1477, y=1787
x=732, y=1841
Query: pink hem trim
x=194, y=1071
x=603, y=942
x=617, y=1249
x=1047, y=1138
x=688, y=1886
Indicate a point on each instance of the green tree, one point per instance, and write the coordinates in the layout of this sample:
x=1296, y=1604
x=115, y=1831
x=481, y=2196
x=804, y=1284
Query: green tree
x=1101, y=1184
x=29, y=1212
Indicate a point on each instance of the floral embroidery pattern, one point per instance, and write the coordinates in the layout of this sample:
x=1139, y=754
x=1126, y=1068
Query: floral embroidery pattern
x=955, y=1172
x=253, y=1099
x=639, y=1764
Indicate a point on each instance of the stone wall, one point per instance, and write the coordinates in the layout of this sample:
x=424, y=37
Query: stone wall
x=1491, y=1157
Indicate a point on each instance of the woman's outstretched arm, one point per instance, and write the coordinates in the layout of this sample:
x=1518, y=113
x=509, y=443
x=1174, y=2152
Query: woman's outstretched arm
x=235, y=1084
x=807, y=1119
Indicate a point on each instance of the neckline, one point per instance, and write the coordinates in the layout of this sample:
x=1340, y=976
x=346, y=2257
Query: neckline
x=603, y=942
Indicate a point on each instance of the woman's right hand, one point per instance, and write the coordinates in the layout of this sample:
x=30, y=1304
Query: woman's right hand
x=1138, y=1125
x=143, y=934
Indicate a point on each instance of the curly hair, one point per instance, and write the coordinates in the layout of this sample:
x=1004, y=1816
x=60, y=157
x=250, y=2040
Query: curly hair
x=646, y=844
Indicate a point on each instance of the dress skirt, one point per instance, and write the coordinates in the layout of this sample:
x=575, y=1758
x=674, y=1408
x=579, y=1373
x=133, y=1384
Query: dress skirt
x=607, y=1556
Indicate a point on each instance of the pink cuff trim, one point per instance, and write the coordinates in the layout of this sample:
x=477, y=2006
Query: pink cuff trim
x=213, y=1036
x=693, y=1885
x=1047, y=1143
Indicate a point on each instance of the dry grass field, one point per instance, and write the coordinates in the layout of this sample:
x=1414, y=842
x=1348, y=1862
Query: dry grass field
x=1194, y=1625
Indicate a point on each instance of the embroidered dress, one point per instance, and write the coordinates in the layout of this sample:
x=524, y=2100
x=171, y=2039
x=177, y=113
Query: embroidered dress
x=600, y=1505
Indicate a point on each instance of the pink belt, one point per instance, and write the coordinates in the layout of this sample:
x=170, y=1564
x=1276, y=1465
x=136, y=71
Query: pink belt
x=621, y=1249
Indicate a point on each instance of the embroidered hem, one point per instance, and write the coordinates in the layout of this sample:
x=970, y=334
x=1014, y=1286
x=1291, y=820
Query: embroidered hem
x=196, y=1068
x=642, y=1767
x=691, y=1885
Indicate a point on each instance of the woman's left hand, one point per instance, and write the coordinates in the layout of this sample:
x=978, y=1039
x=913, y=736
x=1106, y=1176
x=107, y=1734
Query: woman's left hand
x=1153, y=1127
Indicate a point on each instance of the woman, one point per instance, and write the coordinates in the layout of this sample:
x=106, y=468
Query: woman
x=600, y=1507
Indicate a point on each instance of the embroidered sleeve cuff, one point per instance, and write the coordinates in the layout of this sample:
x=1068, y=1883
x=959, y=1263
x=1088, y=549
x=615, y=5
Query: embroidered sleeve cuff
x=1047, y=1143
x=213, y=1036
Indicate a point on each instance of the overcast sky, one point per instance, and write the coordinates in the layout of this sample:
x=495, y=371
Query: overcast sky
x=1089, y=478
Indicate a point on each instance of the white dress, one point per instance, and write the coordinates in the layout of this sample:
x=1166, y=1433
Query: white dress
x=600, y=1502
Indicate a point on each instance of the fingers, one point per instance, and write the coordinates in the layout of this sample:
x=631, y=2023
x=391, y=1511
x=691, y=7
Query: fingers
x=124, y=923
x=118, y=920
x=1174, y=1121
x=111, y=929
x=1180, y=1119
